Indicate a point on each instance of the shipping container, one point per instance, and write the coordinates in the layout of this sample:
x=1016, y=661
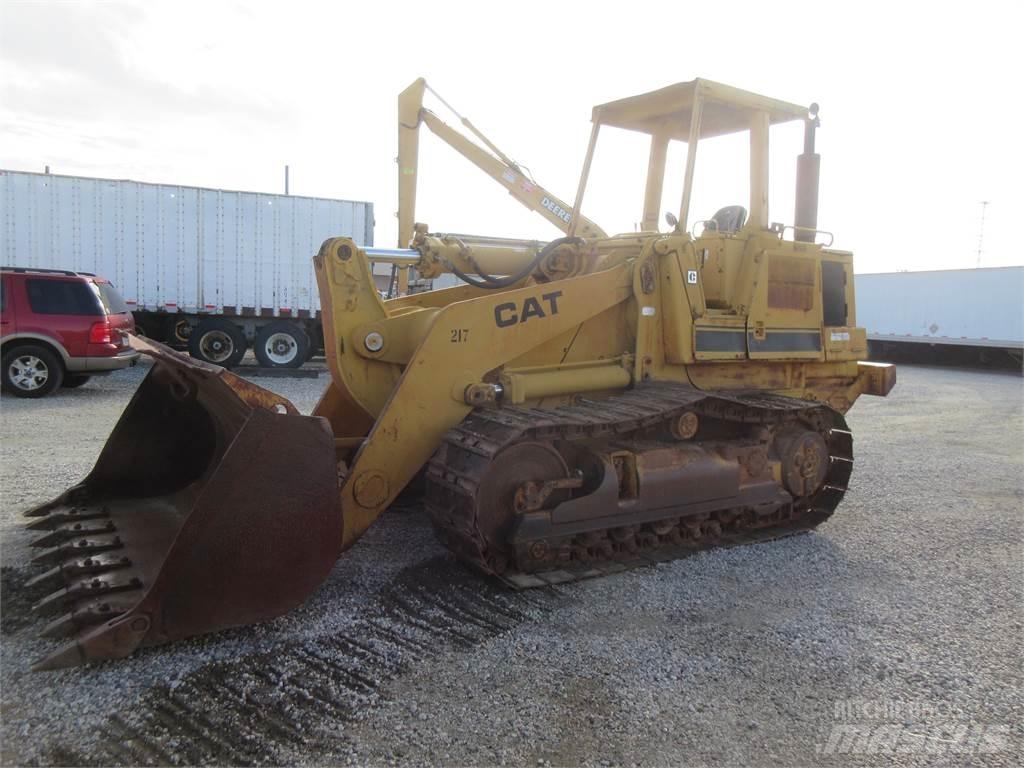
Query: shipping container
x=184, y=256
x=978, y=308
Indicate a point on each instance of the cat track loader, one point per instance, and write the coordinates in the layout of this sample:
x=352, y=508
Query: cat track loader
x=577, y=408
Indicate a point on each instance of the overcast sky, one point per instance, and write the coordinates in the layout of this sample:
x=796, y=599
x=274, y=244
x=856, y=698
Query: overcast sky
x=920, y=106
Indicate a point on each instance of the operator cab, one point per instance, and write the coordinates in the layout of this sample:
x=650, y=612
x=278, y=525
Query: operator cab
x=703, y=109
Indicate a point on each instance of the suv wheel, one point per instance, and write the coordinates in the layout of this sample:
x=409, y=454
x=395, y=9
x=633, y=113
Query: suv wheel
x=217, y=341
x=281, y=345
x=31, y=370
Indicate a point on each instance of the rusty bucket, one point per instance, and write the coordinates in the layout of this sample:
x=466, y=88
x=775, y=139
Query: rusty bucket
x=214, y=504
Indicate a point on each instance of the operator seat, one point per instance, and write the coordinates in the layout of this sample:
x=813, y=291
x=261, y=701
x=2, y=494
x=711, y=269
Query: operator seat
x=730, y=219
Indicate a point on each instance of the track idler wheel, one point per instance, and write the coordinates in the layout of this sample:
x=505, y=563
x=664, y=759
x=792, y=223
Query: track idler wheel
x=805, y=460
x=520, y=476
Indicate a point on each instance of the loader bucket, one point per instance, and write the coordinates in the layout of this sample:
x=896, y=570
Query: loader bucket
x=213, y=504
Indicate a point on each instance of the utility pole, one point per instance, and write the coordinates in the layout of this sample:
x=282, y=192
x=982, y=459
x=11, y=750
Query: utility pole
x=286, y=179
x=981, y=230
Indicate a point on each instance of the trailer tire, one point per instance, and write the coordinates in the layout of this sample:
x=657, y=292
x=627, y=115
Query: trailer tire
x=281, y=344
x=150, y=328
x=218, y=341
x=142, y=329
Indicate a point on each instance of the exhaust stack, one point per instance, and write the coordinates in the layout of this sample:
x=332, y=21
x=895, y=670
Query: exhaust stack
x=808, y=169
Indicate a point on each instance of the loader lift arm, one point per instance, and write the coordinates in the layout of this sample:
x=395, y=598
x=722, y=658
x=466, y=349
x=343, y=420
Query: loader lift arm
x=492, y=161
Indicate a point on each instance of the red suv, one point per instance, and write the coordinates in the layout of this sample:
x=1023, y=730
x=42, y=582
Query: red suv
x=59, y=328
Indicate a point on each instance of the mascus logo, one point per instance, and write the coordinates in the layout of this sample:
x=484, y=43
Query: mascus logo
x=510, y=314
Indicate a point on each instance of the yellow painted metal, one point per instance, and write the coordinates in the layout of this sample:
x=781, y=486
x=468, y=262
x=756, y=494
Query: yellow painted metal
x=741, y=310
x=669, y=110
x=655, y=183
x=408, y=160
x=845, y=342
x=460, y=349
x=521, y=386
x=696, y=116
x=696, y=110
x=574, y=225
x=759, y=123
x=491, y=160
x=443, y=254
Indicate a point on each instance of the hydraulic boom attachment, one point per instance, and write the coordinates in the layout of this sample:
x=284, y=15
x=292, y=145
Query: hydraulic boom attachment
x=491, y=160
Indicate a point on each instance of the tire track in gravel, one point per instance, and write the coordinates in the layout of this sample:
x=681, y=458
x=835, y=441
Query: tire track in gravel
x=270, y=708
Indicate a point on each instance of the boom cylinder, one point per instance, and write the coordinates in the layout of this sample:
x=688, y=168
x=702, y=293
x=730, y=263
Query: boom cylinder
x=523, y=386
x=402, y=256
x=436, y=256
x=440, y=254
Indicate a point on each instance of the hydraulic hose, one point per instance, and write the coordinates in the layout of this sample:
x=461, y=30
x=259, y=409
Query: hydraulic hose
x=490, y=282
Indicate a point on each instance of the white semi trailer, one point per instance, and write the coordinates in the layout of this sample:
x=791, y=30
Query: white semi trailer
x=212, y=270
x=963, y=312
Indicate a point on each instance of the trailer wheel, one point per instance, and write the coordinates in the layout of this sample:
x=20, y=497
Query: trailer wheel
x=218, y=341
x=150, y=328
x=281, y=345
x=178, y=331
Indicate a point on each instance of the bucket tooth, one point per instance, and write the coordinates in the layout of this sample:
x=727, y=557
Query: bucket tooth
x=85, y=589
x=49, y=521
x=68, y=655
x=101, y=563
x=76, y=548
x=61, y=627
x=48, y=580
x=84, y=616
x=53, y=602
x=75, y=530
x=75, y=495
x=61, y=574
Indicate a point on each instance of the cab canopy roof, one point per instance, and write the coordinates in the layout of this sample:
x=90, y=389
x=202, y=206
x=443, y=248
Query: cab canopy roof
x=669, y=110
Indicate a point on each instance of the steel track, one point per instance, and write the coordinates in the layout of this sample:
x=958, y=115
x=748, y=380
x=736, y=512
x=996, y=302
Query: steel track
x=455, y=472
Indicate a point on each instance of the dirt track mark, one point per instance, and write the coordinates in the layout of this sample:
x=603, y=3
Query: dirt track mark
x=265, y=707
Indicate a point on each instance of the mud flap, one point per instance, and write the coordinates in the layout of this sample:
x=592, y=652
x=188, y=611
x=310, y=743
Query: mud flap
x=214, y=504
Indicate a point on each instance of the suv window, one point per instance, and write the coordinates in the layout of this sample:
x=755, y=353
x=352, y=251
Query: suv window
x=111, y=299
x=62, y=297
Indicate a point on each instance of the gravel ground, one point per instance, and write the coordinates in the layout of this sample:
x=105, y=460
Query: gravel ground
x=893, y=634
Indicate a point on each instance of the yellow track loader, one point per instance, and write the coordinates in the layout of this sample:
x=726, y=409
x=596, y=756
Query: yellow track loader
x=593, y=404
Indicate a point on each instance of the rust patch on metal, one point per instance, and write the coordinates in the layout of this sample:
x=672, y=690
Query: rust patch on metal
x=234, y=517
x=790, y=283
